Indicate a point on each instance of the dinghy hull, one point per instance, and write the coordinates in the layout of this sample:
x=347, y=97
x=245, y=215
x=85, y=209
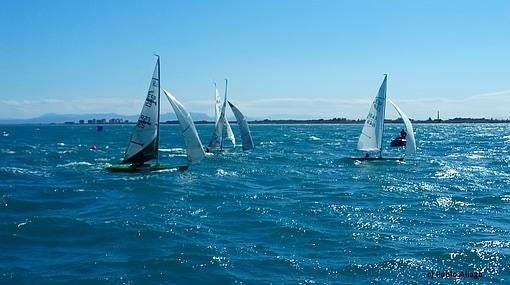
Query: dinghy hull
x=129, y=168
x=398, y=142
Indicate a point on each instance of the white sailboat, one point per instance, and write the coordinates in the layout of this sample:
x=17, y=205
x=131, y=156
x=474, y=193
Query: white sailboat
x=243, y=127
x=217, y=113
x=144, y=144
x=371, y=136
x=410, y=140
x=216, y=142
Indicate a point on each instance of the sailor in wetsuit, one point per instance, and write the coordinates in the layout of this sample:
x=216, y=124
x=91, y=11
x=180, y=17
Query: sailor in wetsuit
x=403, y=134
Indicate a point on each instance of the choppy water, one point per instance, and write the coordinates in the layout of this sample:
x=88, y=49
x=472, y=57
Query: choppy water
x=293, y=210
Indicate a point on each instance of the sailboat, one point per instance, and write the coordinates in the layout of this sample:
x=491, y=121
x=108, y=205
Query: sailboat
x=371, y=136
x=243, y=127
x=144, y=144
x=216, y=142
x=217, y=111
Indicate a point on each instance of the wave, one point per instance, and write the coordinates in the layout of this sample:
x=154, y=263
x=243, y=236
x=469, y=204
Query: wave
x=75, y=163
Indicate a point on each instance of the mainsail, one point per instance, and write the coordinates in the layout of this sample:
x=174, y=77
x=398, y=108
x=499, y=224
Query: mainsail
x=410, y=141
x=144, y=142
x=194, y=148
x=216, y=141
x=372, y=133
x=217, y=136
x=217, y=112
x=243, y=127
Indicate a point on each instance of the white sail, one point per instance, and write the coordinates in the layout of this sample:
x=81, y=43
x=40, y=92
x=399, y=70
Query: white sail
x=243, y=127
x=194, y=148
x=410, y=141
x=217, y=112
x=230, y=133
x=143, y=145
x=216, y=141
x=217, y=104
x=371, y=135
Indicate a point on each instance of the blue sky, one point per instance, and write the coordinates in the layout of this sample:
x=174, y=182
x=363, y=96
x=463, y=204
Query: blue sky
x=294, y=58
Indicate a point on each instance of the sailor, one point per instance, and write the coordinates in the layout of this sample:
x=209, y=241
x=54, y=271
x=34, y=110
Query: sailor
x=403, y=134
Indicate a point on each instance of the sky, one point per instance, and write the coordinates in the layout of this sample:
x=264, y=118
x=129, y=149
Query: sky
x=283, y=58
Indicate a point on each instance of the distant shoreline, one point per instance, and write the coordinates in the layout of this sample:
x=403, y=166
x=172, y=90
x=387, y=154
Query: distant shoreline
x=359, y=121
x=337, y=121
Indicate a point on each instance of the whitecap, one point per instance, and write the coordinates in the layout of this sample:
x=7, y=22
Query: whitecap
x=18, y=170
x=445, y=202
x=314, y=138
x=176, y=149
x=447, y=173
x=474, y=156
x=494, y=244
x=23, y=223
x=76, y=163
x=168, y=170
x=222, y=172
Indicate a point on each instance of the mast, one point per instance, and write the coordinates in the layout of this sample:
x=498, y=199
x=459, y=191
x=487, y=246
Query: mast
x=224, y=102
x=215, y=103
x=159, y=110
x=384, y=110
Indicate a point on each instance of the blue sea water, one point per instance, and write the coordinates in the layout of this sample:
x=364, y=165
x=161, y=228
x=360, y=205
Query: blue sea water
x=292, y=211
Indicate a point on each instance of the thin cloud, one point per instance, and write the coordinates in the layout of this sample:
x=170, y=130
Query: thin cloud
x=494, y=104
x=504, y=94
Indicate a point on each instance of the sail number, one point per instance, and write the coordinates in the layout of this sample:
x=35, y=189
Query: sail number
x=143, y=120
x=151, y=99
x=155, y=82
x=370, y=120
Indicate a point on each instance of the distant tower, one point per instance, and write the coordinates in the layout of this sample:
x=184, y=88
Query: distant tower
x=438, y=115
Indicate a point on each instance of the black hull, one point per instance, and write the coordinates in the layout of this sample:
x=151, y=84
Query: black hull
x=398, y=142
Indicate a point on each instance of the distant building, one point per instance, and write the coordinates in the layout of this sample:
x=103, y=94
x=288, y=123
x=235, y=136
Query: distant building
x=115, y=121
x=105, y=121
x=82, y=122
